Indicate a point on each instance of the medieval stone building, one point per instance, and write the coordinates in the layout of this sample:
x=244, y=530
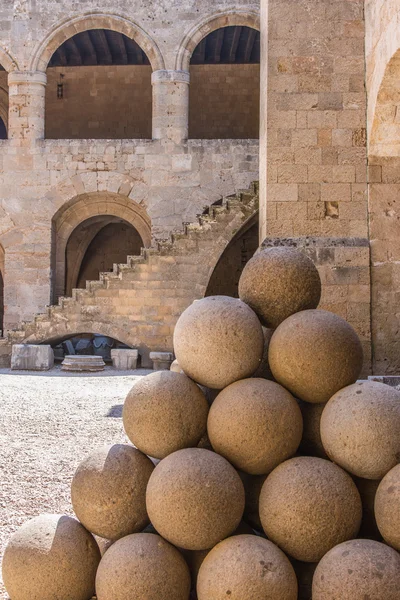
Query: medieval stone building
x=130, y=160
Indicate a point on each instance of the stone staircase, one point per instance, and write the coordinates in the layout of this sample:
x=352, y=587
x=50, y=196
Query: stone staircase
x=139, y=302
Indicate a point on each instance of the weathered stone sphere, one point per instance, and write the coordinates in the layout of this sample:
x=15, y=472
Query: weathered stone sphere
x=387, y=507
x=255, y=424
x=360, y=429
x=51, y=557
x=311, y=443
x=108, y=491
x=195, y=498
x=218, y=340
x=314, y=354
x=308, y=505
x=249, y=567
x=195, y=558
x=164, y=412
x=357, y=570
x=279, y=282
x=142, y=565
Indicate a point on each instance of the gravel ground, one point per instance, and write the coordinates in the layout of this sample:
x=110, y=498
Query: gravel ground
x=49, y=423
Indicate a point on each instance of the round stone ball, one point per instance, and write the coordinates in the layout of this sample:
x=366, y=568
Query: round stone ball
x=387, y=507
x=314, y=354
x=195, y=498
x=218, y=340
x=255, y=424
x=164, y=412
x=279, y=282
x=357, y=570
x=248, y=567
x=143, y=565
x=108, y=491
x=360, y=429
x=51, y=556
x=311, y=443
x=308, y=505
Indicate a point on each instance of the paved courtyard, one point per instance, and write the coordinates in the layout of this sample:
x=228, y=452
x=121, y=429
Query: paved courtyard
x=49, y=423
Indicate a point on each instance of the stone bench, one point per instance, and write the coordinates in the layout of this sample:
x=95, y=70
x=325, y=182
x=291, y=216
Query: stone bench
x=125, y=359
x=31, y=357
x=161, y=360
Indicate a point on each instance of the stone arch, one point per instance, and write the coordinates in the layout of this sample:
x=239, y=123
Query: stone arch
x=63, y=331
x=88, y=206
x=71, y=27
x=226, y=270
x=7, y=61
x=199, y=31
x=385, y=132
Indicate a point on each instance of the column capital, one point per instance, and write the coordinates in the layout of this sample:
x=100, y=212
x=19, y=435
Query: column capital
x=27, y=77
x=170, y=76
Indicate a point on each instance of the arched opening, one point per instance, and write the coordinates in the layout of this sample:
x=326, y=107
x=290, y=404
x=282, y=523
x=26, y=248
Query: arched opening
x=86, y=344
x=225, y=85
x=90, y=233
x=99, y=86
x=225, y=277
x=95, y=245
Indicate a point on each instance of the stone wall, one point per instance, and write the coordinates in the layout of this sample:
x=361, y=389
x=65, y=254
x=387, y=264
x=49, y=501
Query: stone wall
x=315, y=123
x=224, y=101
x=99, y=102
x=383, y=87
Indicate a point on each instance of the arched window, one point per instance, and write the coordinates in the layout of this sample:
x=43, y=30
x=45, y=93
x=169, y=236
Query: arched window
x=99, y=86
x=3, y=104
x=225, y=85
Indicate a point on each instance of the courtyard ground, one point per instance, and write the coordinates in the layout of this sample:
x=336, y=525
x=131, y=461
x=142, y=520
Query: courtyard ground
x=48, y=423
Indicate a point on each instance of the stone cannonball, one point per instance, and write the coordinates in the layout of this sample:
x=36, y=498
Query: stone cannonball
x=360, y=429
x=308, y=505
x=387, y=507
x=218, y=340
x=108, y=491
x=279, y=282
x=164, y=412
x=314, y=354
x=195, y=498
x=142, y=566
x=249, y=567
x=255, y=424
x=51, y=557
x=358, y=570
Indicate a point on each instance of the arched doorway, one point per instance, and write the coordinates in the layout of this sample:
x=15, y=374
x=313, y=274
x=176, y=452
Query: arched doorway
x=99, y=86
x=225, y=84
x=225, y=278
x=121, y=225
x=95, y=245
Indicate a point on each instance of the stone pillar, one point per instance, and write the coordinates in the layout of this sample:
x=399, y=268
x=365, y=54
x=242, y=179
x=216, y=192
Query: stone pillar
x=170, y=105
x=27, y=105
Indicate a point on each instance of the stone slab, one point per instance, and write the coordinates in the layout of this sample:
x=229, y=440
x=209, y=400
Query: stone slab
x=392, y=380
x=30, y=357
x=161, y=360
x=83, y=363
x=124, y=359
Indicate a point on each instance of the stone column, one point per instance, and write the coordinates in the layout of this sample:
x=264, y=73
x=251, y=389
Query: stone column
x=170, y=105
x=27, y=105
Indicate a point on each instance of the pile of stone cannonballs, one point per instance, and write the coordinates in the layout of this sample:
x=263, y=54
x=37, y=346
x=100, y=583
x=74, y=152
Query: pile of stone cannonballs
x=273, y=472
